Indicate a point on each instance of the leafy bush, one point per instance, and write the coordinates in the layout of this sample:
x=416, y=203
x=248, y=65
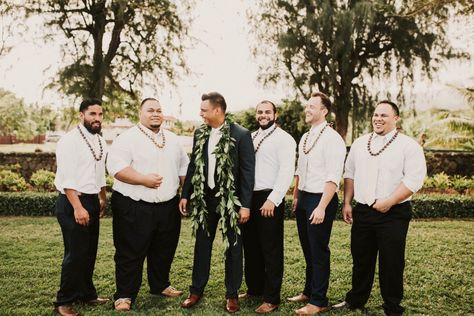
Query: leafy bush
x=43, y=180
x=424, y=206
x=438, y=181
x=461, y=184
x=13, y=167
x=12, y=181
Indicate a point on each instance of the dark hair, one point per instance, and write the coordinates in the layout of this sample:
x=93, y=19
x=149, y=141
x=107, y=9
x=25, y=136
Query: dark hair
x=148, y=99
x=393, y=105
x=269, y=102
x=216, y=99
x=86, y=103
x=324, y=100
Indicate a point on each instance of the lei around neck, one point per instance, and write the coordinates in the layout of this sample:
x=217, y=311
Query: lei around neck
x=228, y=200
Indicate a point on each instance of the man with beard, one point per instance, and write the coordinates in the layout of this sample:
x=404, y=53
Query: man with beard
x=262, y=235
x=80, y=179
x=149, y=165
x=320, y=163
x=383, y=170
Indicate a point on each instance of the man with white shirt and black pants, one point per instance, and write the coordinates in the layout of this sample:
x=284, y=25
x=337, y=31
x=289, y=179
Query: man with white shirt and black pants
x=80, y=179
x=383, y=170
x=263, y=233
x=320, y=164
x=149, y=165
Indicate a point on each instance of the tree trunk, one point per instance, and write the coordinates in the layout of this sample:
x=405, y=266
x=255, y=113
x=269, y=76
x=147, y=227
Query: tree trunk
x=98, y=66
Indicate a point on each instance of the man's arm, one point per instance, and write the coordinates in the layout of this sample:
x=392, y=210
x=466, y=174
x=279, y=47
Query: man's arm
x=348, y=197
x=246, y=156
x=131, y=176
x=187, y=188
x=317, y=217
x=103, y=201
x=81, y=215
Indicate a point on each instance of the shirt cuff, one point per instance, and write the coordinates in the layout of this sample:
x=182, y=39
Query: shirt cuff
x=411, y=185
x=274, y=197
x=117, y=166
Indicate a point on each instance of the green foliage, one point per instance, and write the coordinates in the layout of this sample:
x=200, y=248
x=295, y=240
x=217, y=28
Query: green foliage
x=43, y=180
x=424, y=205
x=12, y=181
x=115, y=48
x=443, y=181
x=438, y=181
x=14, y=167
x=344, y=48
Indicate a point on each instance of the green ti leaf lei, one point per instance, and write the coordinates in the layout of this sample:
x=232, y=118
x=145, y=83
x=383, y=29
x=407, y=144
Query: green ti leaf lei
x=229, y=216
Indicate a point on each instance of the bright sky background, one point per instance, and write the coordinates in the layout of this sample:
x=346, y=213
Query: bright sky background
x=221, y=61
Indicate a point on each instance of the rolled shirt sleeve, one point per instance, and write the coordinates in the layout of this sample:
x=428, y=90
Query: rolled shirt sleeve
x=119, y=156
x=414, y=169
x=334, y=160
x=286, y=157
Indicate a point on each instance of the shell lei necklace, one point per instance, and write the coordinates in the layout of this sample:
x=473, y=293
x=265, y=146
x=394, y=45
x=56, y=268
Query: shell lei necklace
x=383, y=148
x=263, y=138
x=306, y=151
x=101, y=151
x=163, y=139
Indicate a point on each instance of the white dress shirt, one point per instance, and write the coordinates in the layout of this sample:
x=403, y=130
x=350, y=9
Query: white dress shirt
x=274, y=162
x=76, y=167
x=133, y=149
x=324, y=163
x=214, y=138
x=402, y=161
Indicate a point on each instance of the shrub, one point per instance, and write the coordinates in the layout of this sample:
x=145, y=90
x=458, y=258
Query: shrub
x=43, y=180
x=461, y=184
x=13, y=167
x=438, y=181
x=424, y=206
x=12, y=181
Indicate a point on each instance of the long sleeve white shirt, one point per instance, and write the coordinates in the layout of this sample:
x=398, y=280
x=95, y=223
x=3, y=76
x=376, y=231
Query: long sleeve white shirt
x=76, y=167
x=324, y=163
x=134, y=149
x=403, y=161
x=274, y=162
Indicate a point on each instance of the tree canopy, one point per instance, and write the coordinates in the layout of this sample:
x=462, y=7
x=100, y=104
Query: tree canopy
x=112, y=49
x=337, y=47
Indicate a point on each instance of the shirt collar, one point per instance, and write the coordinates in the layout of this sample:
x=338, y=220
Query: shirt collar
x=316, y=129
x=149, y=131
x=217, y=130
x=84, y=130
x=387, y=136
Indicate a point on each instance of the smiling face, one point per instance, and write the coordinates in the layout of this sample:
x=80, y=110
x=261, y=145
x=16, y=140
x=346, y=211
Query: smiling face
x=91, y=118
x=211, y=114
x=384, y=119
x=151, y=115
x=265, y=115
x=315, y=112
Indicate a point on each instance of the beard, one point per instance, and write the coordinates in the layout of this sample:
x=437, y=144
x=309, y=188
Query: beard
x=155, y=126
x=93, y=129
x=266, y=126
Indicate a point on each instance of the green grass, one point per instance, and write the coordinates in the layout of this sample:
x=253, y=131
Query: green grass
x=439, y=273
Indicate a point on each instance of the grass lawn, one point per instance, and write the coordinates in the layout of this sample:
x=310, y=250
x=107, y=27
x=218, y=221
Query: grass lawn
x=439, y=273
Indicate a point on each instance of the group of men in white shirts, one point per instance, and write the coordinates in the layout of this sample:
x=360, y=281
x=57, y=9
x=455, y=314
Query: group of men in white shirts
x=382, y=171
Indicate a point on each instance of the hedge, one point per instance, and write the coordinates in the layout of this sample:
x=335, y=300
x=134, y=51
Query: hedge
x=424, y=206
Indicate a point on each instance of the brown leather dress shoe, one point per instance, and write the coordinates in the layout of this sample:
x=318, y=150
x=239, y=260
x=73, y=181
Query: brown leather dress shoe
x=97, y=301
x=232, y=305
x=266, y=308
x=190, y=301
x=311, y=309
x=65, y=310
x=171, y=292
x=300, y=298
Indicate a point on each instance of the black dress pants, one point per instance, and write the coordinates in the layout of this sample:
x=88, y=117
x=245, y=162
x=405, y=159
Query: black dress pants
x=80, y=250
x=203, y=253
x=263, y=250
x=383, y=234
x=314, y=241
x=143, y=230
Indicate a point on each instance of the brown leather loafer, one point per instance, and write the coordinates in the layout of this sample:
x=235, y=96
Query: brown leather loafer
x=192, y=300
x=65, y=310
x=266, y=308
x=300, y=298
x=98, y=301
x=171, y=292
x=311, y=309
x=232, y=305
